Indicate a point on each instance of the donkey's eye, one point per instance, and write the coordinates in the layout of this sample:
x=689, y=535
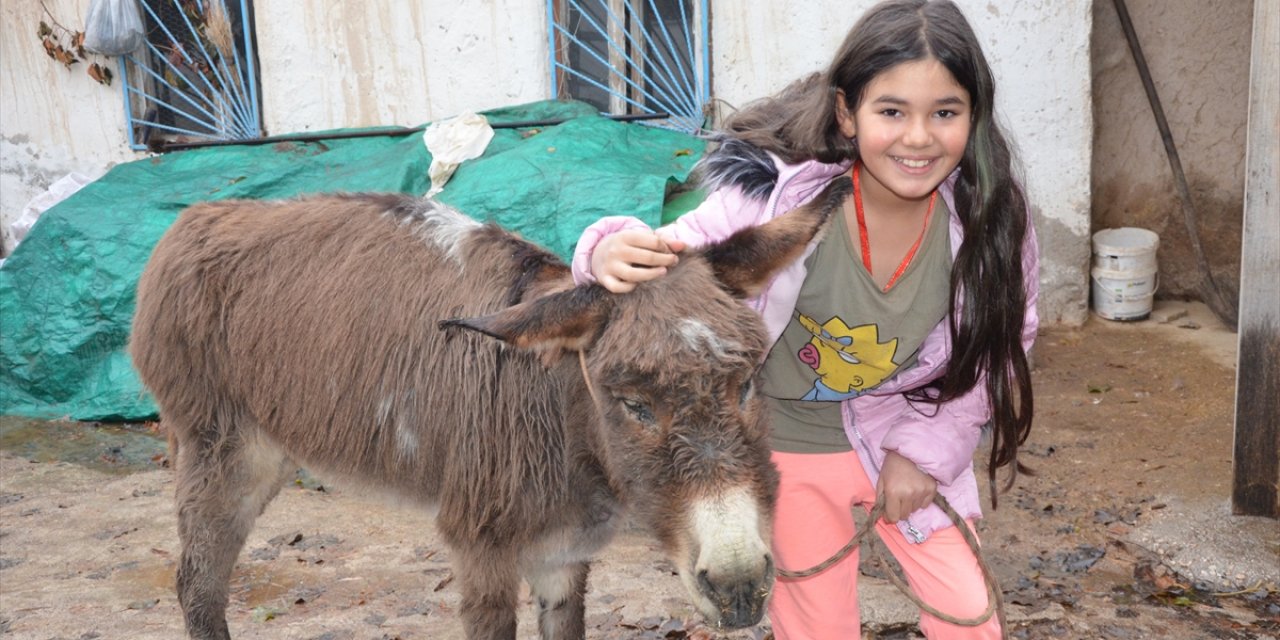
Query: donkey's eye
x=748, y=392
x=637, y=409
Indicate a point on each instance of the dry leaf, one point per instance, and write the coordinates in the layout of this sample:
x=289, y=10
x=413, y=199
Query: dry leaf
x=101, y=75
x=65, y=57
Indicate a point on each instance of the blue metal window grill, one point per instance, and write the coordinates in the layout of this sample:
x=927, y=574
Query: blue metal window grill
x=636, y=57
x=195, y=80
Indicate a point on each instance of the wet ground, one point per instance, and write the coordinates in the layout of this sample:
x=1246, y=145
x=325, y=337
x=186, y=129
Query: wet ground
x=1125, y=531
x=109, y=448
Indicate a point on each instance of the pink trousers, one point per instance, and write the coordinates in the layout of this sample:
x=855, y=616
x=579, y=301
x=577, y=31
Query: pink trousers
x=813, y=521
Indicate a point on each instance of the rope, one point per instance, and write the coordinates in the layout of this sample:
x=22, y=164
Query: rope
x=995, y=602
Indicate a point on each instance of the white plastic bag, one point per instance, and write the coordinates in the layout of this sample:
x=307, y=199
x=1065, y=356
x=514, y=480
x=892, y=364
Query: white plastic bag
x=113, y=27
x=60, y=190
x=453, y=141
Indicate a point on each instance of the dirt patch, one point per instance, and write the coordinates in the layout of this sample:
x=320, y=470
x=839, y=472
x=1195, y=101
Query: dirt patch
x=1133, y=435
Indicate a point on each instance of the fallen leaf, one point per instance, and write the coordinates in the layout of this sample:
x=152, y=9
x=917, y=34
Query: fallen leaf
x=264, y=614
x=1165, y=582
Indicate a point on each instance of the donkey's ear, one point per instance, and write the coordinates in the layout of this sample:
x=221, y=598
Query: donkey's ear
x=748, y=259
x=554, y=323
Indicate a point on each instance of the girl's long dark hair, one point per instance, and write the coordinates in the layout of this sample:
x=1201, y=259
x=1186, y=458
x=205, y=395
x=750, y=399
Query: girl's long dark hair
x=988, y=296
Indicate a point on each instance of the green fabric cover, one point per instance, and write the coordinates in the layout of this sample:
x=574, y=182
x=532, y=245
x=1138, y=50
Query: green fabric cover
x=67, y=292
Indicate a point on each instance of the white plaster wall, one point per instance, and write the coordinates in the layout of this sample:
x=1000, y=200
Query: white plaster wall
x=383, y=62
x=53, y=121
x=328, y=65
x=323, y=65
x=1039, y=52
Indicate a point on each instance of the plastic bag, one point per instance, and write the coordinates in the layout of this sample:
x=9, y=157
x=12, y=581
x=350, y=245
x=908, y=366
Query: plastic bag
x=60, y=190
x=453, y=142
x=113, y=27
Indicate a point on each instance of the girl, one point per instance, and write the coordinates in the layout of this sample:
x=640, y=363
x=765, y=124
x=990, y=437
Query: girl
x=902, y=332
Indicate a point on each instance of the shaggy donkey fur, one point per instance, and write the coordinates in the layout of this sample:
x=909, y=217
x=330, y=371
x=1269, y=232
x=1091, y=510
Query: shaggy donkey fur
x=355, y=335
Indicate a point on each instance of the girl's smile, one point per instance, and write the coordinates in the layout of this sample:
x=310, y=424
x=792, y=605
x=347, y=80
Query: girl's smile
x=912, y=126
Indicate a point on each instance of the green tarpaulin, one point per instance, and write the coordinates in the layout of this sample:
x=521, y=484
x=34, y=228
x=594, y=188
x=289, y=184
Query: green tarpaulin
x=67, y=292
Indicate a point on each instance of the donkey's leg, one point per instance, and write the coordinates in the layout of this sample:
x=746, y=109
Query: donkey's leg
x=490, y=583
x=224, y=481
x=559, y=592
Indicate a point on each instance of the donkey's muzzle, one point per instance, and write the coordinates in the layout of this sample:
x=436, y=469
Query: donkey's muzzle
x=739, y=597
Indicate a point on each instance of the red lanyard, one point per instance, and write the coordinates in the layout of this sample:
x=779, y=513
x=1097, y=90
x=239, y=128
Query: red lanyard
x=862, y=230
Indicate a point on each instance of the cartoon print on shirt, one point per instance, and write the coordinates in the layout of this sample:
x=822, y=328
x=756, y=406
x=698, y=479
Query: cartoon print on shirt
x=848, y=361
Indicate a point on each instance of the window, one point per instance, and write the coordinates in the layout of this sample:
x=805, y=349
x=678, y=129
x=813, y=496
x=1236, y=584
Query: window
x=633, y=57
x=196, y=79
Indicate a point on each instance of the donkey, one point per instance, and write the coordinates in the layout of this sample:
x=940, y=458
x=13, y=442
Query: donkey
x=396, y=343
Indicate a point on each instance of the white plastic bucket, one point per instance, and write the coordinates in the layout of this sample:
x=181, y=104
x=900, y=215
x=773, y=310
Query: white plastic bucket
x=1122, y=295
x=1124, y=273
x=1125, y=249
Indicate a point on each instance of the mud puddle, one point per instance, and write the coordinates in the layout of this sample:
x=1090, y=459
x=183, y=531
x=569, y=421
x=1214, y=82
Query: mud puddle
x=110, y=448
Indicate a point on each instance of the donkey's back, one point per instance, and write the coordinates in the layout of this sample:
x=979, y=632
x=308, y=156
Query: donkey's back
x=314, y=321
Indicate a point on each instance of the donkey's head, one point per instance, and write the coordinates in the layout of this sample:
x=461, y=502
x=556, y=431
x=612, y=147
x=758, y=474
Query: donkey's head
x=672, y=369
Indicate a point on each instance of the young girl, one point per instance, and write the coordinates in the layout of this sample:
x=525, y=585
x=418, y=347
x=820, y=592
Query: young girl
x=902, y=332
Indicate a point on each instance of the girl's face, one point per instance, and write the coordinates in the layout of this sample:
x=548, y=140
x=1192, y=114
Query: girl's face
x=912, y=126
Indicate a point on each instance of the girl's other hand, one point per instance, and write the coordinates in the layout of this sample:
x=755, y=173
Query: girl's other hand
x=623, y=259
x=903, y=487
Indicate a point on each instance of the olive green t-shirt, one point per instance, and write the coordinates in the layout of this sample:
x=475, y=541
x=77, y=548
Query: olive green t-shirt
x=847, y=336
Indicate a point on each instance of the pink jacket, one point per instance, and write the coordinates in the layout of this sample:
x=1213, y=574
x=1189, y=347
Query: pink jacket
x=940, y=440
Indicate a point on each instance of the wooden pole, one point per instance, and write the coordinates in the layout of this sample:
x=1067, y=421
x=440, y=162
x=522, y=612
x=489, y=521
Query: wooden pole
x=1256, y=470
x=617, y=83
x=1210, y=292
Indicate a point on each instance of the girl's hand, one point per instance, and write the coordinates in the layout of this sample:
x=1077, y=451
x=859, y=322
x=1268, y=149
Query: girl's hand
x=628, y=257
x=903, y=487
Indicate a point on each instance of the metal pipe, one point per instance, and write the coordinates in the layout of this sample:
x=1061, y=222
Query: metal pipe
x=398, y=131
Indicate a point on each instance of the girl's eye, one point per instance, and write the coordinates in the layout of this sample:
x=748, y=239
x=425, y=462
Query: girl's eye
x=946, y=113
x=637, y=409
x=892, y=113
